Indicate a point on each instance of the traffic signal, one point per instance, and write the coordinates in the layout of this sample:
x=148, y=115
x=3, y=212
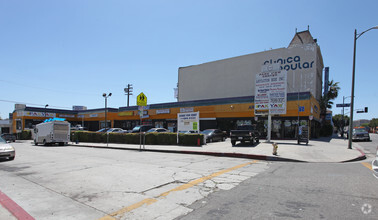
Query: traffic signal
x=366, y=109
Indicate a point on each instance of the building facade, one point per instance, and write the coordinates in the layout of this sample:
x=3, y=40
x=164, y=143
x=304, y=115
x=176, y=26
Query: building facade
x=222, y=92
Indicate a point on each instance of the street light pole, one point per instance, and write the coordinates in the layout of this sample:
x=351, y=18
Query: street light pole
x=46, y=111
x=356, y=36
x=106, y=107
x=106, y=119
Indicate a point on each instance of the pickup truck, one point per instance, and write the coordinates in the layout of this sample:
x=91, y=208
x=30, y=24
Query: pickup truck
x=77, y=127
x=244, y=133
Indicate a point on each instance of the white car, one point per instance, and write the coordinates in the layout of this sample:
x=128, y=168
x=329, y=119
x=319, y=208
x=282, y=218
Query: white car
x=6, y=150
x=115, y=130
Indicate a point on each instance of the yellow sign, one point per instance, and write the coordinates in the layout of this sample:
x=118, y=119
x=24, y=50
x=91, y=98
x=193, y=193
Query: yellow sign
x=126, y=113
x=142, y=99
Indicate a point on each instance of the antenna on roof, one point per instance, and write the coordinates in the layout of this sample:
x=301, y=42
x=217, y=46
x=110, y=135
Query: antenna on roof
x=296, y=30
x=308, y=27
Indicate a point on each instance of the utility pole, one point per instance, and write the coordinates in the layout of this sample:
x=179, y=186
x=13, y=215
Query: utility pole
x=128, y=92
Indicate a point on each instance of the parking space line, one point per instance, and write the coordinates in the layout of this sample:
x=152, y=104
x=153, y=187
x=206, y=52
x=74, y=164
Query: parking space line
x=190, y=184
x=368, y=165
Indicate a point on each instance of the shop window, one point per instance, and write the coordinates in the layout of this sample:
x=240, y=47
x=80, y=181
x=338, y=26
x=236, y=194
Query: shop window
x=277, y=129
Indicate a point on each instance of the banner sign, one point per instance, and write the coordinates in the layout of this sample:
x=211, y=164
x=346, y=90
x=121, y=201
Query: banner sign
x=163, y=111
x=271, y=92
x=188, y=121
x=190, y=109
x=39, y=114
x=129, y=113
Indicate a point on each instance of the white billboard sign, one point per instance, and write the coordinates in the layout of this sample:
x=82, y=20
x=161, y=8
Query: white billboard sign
x=270, y=92
x=188, y=121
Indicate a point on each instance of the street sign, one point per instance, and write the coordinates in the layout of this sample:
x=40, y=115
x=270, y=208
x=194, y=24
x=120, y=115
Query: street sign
x=142, y=99
x=301, y=108
x=311, y=117
x=343, y=105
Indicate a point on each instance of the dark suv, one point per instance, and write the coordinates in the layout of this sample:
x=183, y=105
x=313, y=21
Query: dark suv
x=9, y=137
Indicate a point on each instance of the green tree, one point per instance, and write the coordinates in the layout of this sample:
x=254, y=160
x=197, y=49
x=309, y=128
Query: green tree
x=325, y=101
x=338, y=120
x=333, y=91
x=373, y=123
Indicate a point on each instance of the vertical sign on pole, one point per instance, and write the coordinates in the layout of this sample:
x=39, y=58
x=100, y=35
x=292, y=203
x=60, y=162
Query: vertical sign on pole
x=270, y=92
x=141, y=101
x=188, y=121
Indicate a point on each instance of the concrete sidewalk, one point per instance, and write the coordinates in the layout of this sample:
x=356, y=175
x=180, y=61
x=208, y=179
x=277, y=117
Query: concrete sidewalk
x=319, y=150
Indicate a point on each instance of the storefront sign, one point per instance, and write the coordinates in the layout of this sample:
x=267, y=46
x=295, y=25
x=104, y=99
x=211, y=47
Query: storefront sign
x=67, y=116
x=93, y=115
x=163, y=111
x=187, y=109
x=131, y=113
x=39, y=114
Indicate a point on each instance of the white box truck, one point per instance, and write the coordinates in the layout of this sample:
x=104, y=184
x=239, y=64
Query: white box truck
x=52, y=132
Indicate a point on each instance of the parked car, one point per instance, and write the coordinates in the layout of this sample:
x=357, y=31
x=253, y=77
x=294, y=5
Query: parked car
x=8, y=137
x=158, y=130
x=360, y=134
x=115, y=130
x=141, y=128
x=77, y=127
x=103, y=130
x=187, y=132
x=214, y=135
x=6, y=150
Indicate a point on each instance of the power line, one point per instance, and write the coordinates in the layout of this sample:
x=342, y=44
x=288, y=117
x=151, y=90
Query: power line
x=46, y=89
x=16, y=102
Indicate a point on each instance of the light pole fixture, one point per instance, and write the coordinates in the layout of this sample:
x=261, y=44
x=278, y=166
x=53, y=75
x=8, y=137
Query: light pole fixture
x=356, y=36
x=45, y=110
x=106, y=107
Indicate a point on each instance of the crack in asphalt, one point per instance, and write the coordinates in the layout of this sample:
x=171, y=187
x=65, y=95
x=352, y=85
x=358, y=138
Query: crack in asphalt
x=62, y=194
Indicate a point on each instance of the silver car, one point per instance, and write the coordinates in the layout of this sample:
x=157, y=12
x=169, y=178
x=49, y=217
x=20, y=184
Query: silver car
x=6, y=150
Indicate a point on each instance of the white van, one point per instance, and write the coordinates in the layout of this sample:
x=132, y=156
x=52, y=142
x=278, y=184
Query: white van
x=52, y=132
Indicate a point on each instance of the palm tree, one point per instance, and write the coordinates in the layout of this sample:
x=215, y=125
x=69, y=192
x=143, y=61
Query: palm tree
x=333, y=91
x=325, y=101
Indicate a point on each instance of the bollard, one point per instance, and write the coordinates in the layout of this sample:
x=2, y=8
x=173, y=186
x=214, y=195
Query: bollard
x=275, y=147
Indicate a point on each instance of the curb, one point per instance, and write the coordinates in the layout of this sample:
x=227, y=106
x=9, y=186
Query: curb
x=216, y=154
x=13, y=208
x=361, y=157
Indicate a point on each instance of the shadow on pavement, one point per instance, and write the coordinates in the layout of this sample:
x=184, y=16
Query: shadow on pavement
x=246, y=145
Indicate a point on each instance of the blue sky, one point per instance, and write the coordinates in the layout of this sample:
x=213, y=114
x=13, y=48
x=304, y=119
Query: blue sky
x=66, y=53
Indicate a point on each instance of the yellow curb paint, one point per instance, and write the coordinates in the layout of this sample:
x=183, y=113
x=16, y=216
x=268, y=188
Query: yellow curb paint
x=368, y=165
x=179, y=188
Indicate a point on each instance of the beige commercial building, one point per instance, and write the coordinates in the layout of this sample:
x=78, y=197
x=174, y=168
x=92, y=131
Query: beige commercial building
x=235, y=77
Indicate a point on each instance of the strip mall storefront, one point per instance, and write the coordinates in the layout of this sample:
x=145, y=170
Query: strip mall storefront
x=225, y=114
